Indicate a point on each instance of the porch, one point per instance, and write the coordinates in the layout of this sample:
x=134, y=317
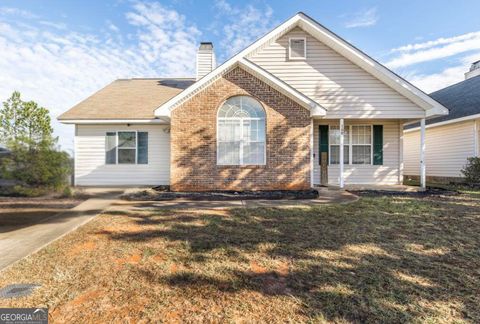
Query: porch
x=360, y=152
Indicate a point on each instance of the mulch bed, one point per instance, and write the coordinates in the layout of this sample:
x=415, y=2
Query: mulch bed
x=163, y=193
x=431, y=191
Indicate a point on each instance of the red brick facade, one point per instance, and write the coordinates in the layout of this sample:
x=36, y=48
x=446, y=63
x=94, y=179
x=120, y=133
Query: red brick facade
x=193, y=140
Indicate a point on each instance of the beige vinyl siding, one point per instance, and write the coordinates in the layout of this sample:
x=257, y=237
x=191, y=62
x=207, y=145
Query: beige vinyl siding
x=90, y=167
x=205, y=63
x=385, y=174
x=447, y=149
x=477, y=129
x=342, y=87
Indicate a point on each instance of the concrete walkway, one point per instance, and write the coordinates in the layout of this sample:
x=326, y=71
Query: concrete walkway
x=15, y=245
x=326, y=196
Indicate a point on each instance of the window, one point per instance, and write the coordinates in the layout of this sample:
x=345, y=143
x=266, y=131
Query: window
x=361, y=144
x=334, y=134
x=357, y=144
x=126, y=147
x=297, y=48
x=241, y=132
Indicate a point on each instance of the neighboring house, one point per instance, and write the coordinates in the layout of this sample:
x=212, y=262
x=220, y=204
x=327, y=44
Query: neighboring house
x=451, y=139
x=270, y=117
x=4, y=152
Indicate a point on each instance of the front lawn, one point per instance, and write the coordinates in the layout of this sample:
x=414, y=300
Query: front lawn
x=380, y=259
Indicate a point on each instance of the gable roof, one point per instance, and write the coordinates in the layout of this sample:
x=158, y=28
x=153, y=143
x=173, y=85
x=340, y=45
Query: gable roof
x=127, y=99
x=462, y=100
x=432, y=107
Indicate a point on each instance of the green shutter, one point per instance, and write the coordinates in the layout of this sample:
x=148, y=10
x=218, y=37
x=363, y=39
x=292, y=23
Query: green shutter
x=142, y=151
x=377, y=144
x=111, y=148
x=323, y=140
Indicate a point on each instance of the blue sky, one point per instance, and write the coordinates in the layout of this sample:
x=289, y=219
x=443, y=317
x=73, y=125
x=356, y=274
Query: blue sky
x=60, y=52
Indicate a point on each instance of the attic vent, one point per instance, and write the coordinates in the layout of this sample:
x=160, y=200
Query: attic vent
x=297, y=49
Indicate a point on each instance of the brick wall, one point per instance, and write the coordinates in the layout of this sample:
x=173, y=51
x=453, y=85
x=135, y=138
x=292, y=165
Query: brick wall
x=193, y=140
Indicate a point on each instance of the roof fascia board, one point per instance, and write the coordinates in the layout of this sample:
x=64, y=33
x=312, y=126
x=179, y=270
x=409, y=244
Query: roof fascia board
x=113, y=121
x=446, y=122
x=432, y=107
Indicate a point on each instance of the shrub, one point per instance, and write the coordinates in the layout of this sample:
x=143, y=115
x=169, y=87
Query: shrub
x=471, y=170
x=24, y=191
x=37, y=168
x=67, y=192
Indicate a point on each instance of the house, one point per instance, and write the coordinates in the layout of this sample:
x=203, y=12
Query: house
x=451, y=139
x=4, y=152
x=299, y=107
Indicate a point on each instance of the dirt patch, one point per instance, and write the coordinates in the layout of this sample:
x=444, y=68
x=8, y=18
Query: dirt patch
x=162, y=195
x=131, y=259
x=86, y=246
x=257, y=269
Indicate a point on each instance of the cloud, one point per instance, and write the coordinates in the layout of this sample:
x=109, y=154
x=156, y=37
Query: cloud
x=436, y=81
x=58, y=68
x=240, y=26
x=446, y=58
x=363, y=18
x=165, y=38
x=439, y=41
x=53, y=25
x=448, y=76
x=433, y=50
x=112, y=26
x=8, y=11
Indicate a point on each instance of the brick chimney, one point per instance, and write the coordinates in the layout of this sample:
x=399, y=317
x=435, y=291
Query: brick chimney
x=205, y=59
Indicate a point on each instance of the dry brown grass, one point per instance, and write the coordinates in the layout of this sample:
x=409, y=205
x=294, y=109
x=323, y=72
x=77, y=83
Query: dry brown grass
x=382, y=259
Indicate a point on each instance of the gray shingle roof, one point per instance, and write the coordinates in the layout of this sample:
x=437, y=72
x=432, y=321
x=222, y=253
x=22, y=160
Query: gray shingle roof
x=462, y=99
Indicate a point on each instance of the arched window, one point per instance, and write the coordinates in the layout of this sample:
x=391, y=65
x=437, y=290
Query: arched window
x=241, y=132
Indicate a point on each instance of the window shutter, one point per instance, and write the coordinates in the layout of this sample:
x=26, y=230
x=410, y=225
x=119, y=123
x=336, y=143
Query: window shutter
x=378, y=144
x=111, y=148
x=142, y=150
x=323, y=140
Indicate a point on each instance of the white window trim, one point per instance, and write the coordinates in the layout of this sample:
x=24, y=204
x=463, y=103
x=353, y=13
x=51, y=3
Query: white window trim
x=116, y=147
x=242, y=142
x=350, y=145
x=290, y=48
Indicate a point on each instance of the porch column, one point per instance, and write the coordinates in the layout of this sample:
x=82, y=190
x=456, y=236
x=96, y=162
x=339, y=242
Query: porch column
x=400, y=154
x=342, y=184
x=423, y=176
x=312, y=154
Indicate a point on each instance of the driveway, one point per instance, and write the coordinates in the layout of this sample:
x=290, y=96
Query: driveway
x=17, y=244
